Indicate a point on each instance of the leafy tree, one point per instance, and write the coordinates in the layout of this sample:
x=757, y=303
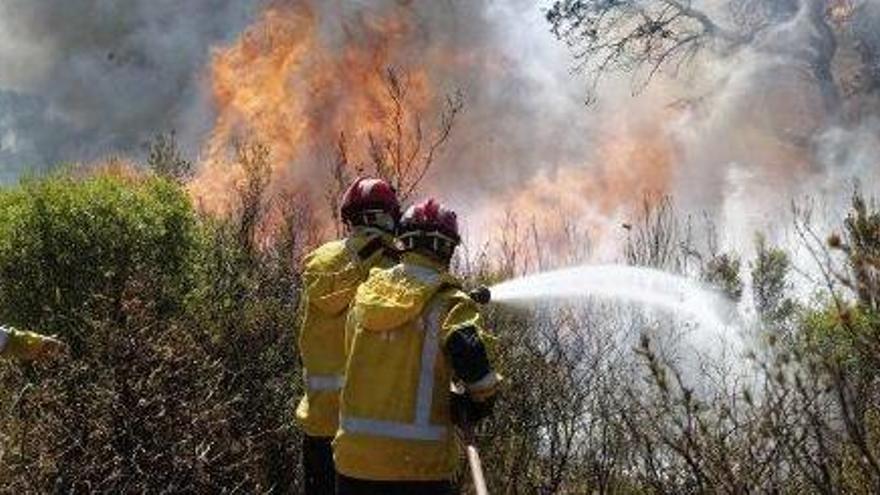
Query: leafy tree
x=861, y=245
x=723, y=271
x=770, y=284
x=643, y=37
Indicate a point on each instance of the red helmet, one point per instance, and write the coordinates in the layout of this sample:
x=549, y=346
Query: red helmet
x=430, y=218
x=369, y=195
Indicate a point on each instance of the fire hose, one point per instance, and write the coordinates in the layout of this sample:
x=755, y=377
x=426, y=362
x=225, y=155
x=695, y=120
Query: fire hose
x=473, y=457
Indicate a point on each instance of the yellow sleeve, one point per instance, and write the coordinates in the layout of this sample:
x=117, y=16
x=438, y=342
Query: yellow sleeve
x=22, y=345
x=465, y=312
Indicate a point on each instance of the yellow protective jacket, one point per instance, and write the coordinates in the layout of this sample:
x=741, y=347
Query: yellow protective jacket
x=21, y=345
x=331, y=275
x=395, y=422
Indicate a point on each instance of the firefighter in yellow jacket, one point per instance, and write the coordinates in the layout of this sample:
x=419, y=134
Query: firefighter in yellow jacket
x=331, y=275
x=411, y=335
x=28, y=346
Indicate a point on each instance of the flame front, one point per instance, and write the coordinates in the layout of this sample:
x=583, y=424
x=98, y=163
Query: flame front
x=284, y=85
x=298, y=80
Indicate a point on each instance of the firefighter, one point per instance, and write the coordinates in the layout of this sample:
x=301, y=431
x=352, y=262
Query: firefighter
x=28, y=346
x=412, y=334
x=331, y=274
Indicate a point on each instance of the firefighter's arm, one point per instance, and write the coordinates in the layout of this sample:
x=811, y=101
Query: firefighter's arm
x=466, y=346
x=28, y=346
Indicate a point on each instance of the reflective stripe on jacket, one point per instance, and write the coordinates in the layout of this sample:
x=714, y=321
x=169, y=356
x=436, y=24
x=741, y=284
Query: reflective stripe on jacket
x=395, y=419
x=331, y=275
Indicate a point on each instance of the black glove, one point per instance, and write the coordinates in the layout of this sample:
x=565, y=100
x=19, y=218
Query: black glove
x=470, y=361
x=468, y=412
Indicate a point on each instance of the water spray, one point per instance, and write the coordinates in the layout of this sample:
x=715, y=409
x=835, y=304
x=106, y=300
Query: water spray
x=674, y=294
x=716, y=325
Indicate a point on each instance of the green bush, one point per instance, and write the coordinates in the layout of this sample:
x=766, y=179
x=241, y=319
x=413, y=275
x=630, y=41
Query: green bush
x=844, y=336
x=79, y=249
x=182, y=372
x=183, y=376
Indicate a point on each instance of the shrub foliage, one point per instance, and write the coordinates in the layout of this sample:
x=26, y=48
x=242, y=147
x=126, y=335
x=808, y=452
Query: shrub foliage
x=182, y=373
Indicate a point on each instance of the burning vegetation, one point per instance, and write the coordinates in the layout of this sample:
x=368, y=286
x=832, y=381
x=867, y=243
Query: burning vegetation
x=329, y=105
x=325, y=112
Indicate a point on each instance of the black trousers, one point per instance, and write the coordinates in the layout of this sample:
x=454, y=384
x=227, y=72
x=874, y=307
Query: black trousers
x=318, y=470
x=352, y=486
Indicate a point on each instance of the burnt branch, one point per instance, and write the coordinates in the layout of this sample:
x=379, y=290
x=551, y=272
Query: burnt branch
x=401, y=150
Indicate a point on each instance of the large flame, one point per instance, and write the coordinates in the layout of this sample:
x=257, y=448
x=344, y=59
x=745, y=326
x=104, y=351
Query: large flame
x=297, y=83
x=283, y=84
x=288, y=85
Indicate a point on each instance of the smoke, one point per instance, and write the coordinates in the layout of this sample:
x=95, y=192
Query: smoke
x=773, y=132
x=737, y=136
x=299, y=87
x=83, y=79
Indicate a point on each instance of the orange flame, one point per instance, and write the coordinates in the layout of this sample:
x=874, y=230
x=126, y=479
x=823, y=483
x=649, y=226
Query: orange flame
x=284, y=85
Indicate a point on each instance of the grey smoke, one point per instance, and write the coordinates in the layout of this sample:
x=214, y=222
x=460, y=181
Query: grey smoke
x=82, y=78
x=776, y=128
x=524, y=109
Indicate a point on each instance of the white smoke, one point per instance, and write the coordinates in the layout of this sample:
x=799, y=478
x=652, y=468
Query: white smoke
x=766, y=133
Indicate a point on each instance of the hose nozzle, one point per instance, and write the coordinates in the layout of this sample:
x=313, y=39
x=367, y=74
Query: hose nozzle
x=481, y=295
